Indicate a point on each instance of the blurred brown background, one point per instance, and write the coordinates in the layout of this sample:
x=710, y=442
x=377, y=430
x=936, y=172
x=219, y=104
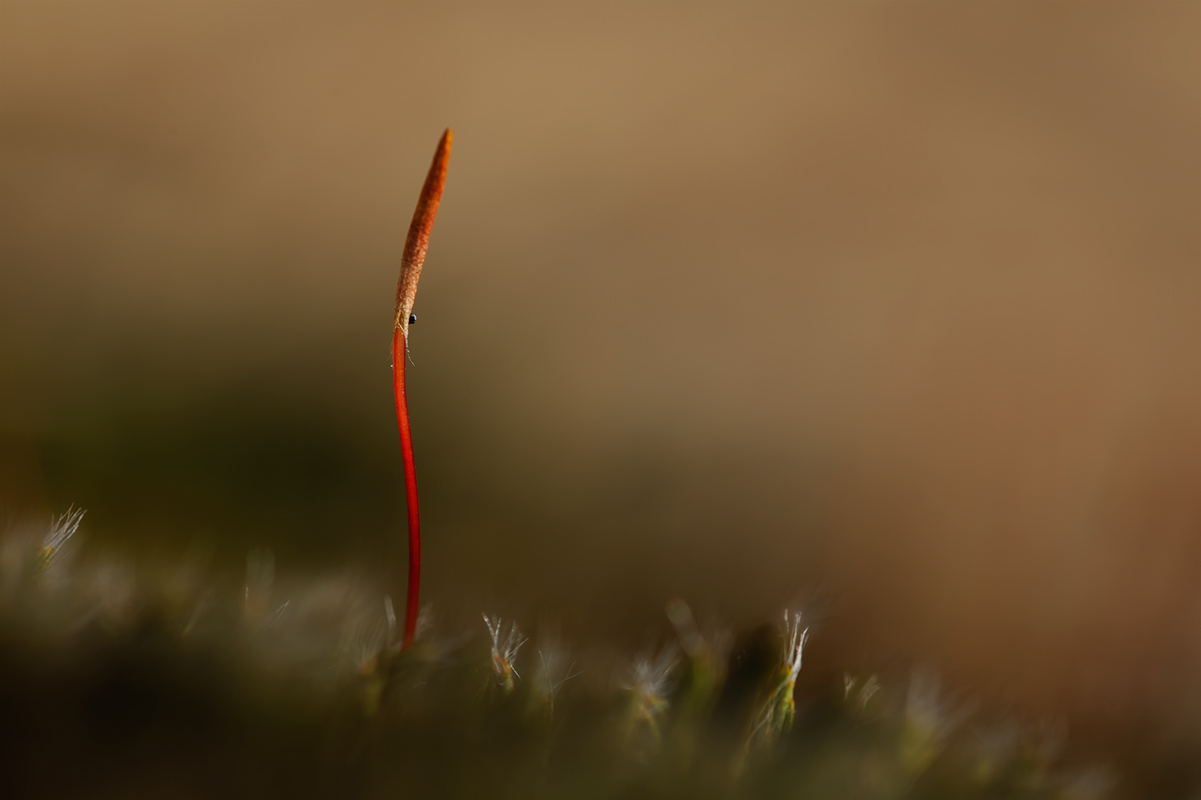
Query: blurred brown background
x=893, y=305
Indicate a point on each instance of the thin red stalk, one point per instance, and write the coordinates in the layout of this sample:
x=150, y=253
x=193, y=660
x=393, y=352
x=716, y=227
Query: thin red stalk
x=411, y=261
x=406, y=449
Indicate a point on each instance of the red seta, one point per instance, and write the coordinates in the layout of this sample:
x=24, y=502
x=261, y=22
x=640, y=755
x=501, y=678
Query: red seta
x=416, y=244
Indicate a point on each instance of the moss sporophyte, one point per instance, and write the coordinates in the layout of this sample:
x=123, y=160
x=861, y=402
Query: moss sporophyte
x=416, y=244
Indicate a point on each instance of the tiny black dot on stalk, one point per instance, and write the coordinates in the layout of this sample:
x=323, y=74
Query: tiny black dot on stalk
x=412, y=319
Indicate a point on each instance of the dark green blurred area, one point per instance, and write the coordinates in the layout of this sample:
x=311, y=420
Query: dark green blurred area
x=168, y=679
x=258, y=457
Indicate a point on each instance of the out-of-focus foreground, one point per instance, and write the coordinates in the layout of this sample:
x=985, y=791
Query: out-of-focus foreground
x=123, y=679
x=888, y=310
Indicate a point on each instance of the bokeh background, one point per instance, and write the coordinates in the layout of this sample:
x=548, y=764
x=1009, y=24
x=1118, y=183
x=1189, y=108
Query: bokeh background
x=890, y=310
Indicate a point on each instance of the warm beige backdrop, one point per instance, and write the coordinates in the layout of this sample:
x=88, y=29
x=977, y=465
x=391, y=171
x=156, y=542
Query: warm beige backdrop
x=893, y=309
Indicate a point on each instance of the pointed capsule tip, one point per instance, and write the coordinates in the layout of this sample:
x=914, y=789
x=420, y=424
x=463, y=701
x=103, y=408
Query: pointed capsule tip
x=417, y=241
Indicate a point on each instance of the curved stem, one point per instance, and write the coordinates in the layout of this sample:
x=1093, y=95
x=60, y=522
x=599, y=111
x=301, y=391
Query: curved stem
x=411, y=261
x=406, y=446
